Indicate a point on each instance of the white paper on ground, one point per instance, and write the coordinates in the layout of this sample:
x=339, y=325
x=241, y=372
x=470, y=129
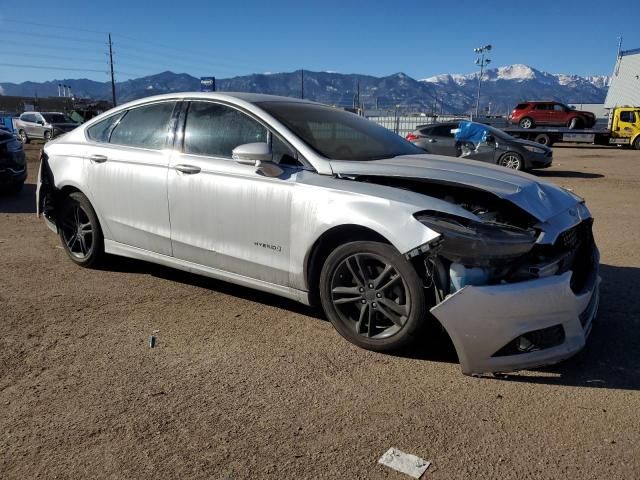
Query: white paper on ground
x=404, y=462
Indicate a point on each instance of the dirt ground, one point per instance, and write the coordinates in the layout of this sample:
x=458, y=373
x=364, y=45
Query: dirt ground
x=247, y=385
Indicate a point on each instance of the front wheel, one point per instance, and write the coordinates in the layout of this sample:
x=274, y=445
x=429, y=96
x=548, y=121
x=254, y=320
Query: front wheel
x=511, y=160
x=636, y=143
x=80, y=231
x=47, y=136
x=23, y=137
x=372, y=296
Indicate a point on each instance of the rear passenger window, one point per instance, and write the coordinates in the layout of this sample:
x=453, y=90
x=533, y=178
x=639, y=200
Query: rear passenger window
x=100, y=131
x=215, y=130
x=144, y=127
x=522, y=106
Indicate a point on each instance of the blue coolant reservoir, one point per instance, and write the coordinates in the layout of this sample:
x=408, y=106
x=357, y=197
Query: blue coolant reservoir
x=462, y=276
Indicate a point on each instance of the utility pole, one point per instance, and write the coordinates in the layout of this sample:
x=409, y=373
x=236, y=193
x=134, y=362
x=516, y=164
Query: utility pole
x=302, y=83
x=113, y=81
x=483, y=62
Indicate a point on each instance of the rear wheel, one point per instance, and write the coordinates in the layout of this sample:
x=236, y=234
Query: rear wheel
x=526, y=122
x=543, y=139
x=47, y=136
x=511, y=160
x=372, y=295
x=80, y=231
x=23, y=137
x=574, y=123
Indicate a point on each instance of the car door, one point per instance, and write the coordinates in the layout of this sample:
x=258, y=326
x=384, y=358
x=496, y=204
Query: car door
x=29, y=121
x=127, y=161
x=439, y=140
x=226, y=215
x=558, y=114
x=540, y=113
x=627, y=124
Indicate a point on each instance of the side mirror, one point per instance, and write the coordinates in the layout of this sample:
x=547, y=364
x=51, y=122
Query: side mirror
x=258, y=155
x=252, y=153
x=40, y=122
x=490, y=139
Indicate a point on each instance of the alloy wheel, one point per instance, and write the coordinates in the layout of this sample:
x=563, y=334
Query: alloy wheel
x=77, y=232
x=370, y=296
x=526, y=123
x=511, y=160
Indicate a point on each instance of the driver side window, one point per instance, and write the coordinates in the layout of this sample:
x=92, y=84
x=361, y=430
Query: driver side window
x=215, y=130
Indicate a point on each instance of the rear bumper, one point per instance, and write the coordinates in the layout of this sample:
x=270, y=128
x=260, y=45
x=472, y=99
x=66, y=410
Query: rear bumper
x=482, y=320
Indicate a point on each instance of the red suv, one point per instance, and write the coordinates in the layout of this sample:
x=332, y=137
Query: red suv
x=530, y=114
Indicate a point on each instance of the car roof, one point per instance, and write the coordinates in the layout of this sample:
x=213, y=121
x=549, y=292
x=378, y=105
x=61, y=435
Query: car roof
x=243, y=96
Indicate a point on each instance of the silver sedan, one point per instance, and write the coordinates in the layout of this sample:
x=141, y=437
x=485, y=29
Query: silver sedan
x=319, y=205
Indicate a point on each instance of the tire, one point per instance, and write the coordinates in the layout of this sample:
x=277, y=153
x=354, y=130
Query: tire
x=575, y=123
x=358, y=283
x=527, y=123
x=512, y=160
x=80, y=231
x=47, y=136
x=23, y=137
x=636, y=143
x=543, y=139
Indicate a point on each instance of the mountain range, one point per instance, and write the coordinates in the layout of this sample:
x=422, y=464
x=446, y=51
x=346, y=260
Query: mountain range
x=502, y=88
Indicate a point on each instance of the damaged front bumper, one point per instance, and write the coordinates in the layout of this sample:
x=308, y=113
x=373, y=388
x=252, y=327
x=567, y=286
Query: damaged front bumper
x=495, y=328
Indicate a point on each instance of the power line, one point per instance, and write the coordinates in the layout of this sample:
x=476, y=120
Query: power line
x=47, y=47
x=57, y=57
x=52, y=67
x=38, y=24
x=57, y=37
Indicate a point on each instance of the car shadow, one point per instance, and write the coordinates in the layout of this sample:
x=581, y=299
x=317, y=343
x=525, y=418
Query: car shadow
x=23, y=202
x=566, y=174
x=129, y=265
x=611, y=358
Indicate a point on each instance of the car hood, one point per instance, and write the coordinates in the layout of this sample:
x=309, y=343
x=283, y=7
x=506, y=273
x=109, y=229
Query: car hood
x=538, y=198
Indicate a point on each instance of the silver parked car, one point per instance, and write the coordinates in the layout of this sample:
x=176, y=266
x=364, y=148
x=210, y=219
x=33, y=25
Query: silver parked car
x=493, y=145
x=317, y=204
x=43, y=125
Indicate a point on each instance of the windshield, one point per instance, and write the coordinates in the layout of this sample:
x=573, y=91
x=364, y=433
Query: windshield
x=57, y=118
x=339, y=135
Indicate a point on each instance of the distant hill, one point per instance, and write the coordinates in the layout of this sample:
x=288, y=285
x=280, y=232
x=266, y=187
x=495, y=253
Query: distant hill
x=450, y=93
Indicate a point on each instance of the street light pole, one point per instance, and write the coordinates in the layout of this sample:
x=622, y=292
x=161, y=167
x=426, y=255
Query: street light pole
x=483, y=62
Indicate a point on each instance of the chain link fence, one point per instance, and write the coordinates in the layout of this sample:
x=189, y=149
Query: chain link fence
x=403, y=124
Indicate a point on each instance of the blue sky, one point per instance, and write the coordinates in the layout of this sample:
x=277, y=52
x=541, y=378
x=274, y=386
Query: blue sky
x=420, y=38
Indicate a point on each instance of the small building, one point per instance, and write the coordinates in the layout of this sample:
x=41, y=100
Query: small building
x=624, y=89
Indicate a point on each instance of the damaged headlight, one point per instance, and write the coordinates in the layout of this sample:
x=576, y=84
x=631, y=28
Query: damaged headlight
x=475, y=243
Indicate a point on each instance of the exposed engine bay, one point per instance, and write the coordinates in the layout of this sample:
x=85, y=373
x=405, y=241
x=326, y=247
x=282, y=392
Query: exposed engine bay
x=505, y=245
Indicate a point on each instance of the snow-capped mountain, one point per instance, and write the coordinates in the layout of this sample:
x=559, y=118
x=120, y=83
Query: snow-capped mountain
x=502, y=88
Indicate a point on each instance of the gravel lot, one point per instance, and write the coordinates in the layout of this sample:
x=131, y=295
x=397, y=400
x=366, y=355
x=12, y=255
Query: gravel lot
x=246, y=385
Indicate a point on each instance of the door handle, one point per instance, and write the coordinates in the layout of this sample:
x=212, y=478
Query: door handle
x=188, y=169
x=98, y=158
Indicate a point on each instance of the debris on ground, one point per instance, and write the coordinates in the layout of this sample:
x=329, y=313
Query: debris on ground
x=404, y=462
x=152, y=341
